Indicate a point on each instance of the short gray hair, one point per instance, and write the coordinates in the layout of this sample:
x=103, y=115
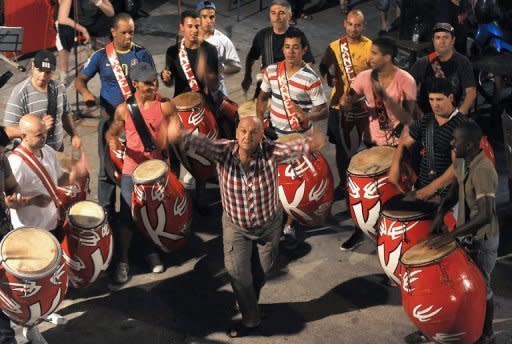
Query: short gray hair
x=283, y=3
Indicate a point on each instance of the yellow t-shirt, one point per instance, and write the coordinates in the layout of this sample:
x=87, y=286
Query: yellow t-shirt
x=360, y=54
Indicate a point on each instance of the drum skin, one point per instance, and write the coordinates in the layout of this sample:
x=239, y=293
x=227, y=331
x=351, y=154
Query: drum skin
x=305, y=193
x=396, y=236
x=29, y=299
x=162, y=210
x=368, y=191
x=196, y=117
x=445, y=299
x=87, y=248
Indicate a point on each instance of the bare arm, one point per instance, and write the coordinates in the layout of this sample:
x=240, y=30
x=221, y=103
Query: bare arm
x=469, y=100
x=106, y=7
x=81, y=86
x=13, y=131
x=247, y=81
x=65, y=19
x=117, y=126
x=261, y=104
x=231, y=69
x=318, y=113
x=440, y=182
x=405, y=142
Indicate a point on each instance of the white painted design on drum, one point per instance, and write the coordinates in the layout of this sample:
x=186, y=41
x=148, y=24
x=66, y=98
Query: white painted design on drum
x=371, y=190
x=212, y=134
x=390, y=267
x=158, y=191
x=180, y=205
x=196, y=117
x=10, y=304
x=75, y=280
x=76, y=264
x=318, y=191
x=87, y=238
x=193, y=155
x=322, y=208
x=35, y=310
x=426, y=314
x=446, y=338
x=29, y=288
x=98, y=263
x=105, y=229
x=140, y=193
x=354, y=189
x=293, y=172
x=396, y=229
x=158, y=230
x=408, y=279
x=368, y=225
x=292, y=207
x=55, y=279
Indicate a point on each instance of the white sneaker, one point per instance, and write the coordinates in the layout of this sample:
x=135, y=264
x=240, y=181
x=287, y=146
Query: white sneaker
x=56, y=319
x=33, y=335
x=189, y=182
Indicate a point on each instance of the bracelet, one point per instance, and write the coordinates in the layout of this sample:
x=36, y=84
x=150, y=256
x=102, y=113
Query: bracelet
x=99, y=3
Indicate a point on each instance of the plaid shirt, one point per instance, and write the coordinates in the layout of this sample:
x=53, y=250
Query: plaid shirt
x=249, y=196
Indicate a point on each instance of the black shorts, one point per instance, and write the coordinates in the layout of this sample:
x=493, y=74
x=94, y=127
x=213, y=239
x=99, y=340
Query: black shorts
x=333, y=127
x=100, y=28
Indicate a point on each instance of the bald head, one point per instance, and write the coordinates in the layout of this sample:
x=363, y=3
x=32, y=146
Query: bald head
x=31, y=123
x=354, y=25
x=356, y=14
x=33, y=132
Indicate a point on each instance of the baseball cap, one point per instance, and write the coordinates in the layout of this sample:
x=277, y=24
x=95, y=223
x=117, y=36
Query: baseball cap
x=204, y=5
x=45, y=59
x=143, y=71
x=443, y=27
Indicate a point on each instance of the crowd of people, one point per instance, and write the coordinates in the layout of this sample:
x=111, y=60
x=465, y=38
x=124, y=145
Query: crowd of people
x=422, y=112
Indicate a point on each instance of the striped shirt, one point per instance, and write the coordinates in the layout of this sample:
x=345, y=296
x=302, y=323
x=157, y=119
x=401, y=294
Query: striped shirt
x=305, y=89
x=443, y=135
x=25, y=99
x=249, y=196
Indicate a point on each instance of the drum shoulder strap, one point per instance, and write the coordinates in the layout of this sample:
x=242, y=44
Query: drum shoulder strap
x=429, y=147
x=52, y=103
x=140, y=125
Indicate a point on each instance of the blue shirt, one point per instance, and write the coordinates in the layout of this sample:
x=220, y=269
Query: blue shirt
x=98, y=63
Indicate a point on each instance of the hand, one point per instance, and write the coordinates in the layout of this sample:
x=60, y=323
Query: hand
x=246, y=83
x=303, y=117
x=394, y=178
x=438, y=225
x=90, y=99
x=425, y=193
x=41, y=201
x=48, y=121
x=76, y=142
x=174, y=130
x=317, y=140
x=166, y=75
x=113, y=144
x=440, y=241
x=14, y=201
x=79, y=170
x=86, y=36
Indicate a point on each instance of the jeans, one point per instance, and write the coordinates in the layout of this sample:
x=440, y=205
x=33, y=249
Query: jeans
x=106, y=187
x=249, y=255
x=484, y=253
x=6, y=332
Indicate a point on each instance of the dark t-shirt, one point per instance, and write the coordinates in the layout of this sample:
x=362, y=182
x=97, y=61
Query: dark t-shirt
x=172, y=62
x=258, y=48
x=5, y=173
x=457, y=70
x=443, y=135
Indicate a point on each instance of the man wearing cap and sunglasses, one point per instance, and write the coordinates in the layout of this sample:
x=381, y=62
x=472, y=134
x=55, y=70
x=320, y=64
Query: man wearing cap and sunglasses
x=229, y=61
x=445, y=62
x=46, y=98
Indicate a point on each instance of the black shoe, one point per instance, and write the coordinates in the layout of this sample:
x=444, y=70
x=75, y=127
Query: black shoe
x=239, y=330
x=416, y=338
x=487, y=339
x=354, y=241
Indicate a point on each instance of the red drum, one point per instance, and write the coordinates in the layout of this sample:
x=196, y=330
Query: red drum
x=88, y=244
x=368, y=187
x=402, y=225
x=195, y=116
x=114, y=160
x=306, y=186
x=160, y=206
x=443, y=293
x=33, y=279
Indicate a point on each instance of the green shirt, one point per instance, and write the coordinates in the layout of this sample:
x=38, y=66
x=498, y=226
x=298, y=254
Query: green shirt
x=476, y=181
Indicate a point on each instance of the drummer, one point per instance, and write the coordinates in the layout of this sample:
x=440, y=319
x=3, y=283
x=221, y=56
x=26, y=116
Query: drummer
x=476, y=185
x=296, y=81
x=252, y=216
x=142, y=143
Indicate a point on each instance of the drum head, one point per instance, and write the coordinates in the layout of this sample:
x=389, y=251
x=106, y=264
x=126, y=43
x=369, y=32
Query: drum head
x=421, y=254
x=400, y=209
x=86, y=215
x=30, y=252
x=149, y=171
x=188, y=100
x=290, y=138
x=371, y=161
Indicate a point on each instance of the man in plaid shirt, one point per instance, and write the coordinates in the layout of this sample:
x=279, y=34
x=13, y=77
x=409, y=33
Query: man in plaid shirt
x=247, y=169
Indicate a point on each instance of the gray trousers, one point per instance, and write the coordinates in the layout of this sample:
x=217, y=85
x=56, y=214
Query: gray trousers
x=484, y=253
x=249, y=255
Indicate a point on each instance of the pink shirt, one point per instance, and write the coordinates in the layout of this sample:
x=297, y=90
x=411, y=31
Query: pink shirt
x=401, y=88
x=135, y=154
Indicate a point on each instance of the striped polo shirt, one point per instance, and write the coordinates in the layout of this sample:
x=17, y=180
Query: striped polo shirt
x=25, y=99
x=443, y=135
x=305, y=89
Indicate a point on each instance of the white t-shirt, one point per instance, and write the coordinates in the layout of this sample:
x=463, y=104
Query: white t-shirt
x=30, y=184
x=226, y=52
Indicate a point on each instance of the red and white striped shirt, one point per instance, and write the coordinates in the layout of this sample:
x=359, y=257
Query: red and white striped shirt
x=249, y=196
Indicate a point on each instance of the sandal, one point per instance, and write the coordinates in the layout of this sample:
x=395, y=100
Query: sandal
x=306, y=16
x=240, y=330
